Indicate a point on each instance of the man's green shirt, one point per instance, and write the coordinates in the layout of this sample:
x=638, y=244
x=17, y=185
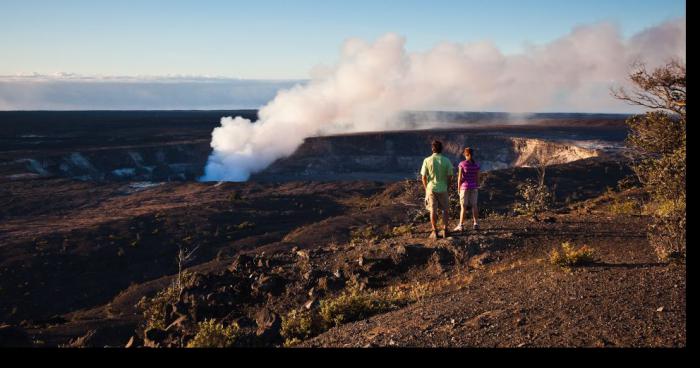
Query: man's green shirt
x=438, y=169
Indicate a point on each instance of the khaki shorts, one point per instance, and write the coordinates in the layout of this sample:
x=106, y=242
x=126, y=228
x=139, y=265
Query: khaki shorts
x=468, y=197
x=435, y=201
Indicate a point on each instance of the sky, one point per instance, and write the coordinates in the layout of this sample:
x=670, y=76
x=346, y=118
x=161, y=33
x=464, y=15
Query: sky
x=276, y=40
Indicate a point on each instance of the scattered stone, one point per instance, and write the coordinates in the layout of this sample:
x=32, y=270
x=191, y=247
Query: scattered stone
x=130, y=343
x=660, y=309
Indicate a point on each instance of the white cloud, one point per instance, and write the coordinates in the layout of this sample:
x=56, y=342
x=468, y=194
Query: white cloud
x=69, y=91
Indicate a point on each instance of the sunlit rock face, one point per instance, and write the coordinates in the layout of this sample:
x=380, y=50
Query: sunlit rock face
x=398, y=155
x=372, y=156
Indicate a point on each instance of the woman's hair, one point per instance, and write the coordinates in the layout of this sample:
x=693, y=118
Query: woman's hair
x=437, y=146
x=469, y=152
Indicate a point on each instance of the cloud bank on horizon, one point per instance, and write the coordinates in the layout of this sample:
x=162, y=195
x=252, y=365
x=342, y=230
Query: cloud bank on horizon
x=67, y=91
x=374, y=82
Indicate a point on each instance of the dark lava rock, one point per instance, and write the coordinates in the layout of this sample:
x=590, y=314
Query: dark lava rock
x=435, y=264
x=373, y=265
x=269, y=325
x=272, y=284
x=410, y=255
x=154, y=337
x=14, y=337
x=245, y=322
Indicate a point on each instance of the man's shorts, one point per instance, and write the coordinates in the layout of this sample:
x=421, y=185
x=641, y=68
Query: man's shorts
x=435, y=201
x=468, y=197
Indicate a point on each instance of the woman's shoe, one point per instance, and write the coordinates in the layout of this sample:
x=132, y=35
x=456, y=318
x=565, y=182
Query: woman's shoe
x=476, y=226
x=459, y=228
x=433, y=235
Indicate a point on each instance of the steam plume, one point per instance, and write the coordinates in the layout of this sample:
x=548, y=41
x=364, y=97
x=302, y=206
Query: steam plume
x=374, y=82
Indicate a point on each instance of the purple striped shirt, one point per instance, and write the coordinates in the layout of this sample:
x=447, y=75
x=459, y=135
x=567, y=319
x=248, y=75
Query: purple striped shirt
x=469, y=172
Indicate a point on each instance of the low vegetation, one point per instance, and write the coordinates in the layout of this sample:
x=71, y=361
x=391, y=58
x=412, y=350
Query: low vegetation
x=353, y=304
x=535, y=198
x=570, y=256
x=402, y=230
x=211, y=334
x=299, y=325
x=625, y=207
x=154, y=309
x=658, y=140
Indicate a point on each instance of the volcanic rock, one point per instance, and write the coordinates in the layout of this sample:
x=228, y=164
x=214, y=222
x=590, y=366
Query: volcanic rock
x=269, y=325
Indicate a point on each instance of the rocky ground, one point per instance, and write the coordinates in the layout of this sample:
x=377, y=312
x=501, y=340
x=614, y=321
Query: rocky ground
x=74, y=267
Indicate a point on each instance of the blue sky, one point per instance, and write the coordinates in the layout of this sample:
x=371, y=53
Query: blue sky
x=283, y=39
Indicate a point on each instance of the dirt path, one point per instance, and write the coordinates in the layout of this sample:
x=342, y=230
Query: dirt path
x=626, y=299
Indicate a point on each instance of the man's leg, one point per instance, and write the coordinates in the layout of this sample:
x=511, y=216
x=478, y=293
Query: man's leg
x=444, y=205
x=433, y=214
x=445, y=219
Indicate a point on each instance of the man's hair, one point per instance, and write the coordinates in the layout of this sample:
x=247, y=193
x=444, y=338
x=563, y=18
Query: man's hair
x=437, y=146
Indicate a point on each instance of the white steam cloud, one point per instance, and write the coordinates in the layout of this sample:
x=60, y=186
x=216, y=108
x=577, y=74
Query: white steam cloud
x=374, y=82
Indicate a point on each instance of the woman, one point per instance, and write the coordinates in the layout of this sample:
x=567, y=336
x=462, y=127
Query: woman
x=468, y=188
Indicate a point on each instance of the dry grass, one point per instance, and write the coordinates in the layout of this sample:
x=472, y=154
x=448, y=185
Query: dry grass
x=214, y=335
x=571, y=257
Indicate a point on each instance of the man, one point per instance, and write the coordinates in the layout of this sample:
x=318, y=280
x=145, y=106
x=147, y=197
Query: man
x=437, y=173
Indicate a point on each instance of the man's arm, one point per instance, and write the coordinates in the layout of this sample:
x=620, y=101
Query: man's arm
x=425, y=182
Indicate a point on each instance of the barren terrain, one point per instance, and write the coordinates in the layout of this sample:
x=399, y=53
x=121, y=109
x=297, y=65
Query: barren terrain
x=77, y=256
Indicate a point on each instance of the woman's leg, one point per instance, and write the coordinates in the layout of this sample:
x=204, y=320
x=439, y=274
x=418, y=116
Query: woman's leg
x=462, y=206
x=475, y=207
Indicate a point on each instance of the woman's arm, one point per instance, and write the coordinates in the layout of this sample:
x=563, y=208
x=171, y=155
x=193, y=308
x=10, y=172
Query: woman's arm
x=459, y=179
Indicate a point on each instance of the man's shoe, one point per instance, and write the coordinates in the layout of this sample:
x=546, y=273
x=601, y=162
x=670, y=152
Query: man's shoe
x=459, y=228
x=476, y=226
x=433, y=235
x=443, y=234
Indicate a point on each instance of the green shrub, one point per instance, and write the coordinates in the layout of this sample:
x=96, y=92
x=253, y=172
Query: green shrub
x=658, y=140
x=570, y=257
x=214, y=335
x=354, y=304
x=402, y=230
x=625, y=207
x=298, y=326
x=363, y=235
